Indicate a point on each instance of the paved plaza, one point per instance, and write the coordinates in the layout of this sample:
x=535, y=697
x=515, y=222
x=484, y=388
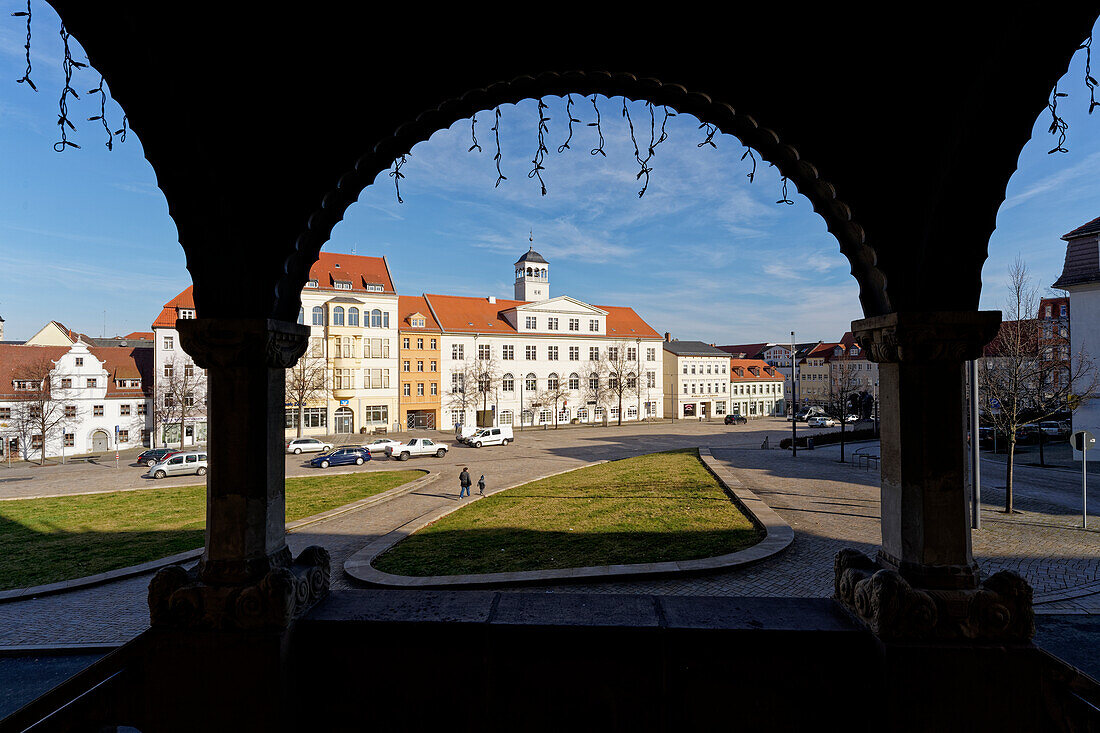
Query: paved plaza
x=829, y=505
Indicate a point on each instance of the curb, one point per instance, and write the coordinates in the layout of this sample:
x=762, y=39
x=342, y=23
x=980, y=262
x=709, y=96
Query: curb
x=49, y=589
x=778, y=536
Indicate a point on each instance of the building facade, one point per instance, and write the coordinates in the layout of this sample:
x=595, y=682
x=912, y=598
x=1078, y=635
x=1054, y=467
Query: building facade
x=756, y=388
x=419, y=398
x=697, y=382
x=179, y=385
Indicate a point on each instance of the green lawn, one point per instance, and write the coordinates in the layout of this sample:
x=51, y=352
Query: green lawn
x=653, y=508
x=47, y=540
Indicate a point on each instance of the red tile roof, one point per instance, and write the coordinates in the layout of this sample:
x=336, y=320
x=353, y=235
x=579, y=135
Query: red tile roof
x=170, y=312
x=740, y=371
x=120, y=363
x=461, y=314
x=407, y=305
x=358, y=269
x=147, y=335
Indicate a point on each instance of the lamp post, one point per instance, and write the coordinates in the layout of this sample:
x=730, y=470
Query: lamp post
x=794, y=402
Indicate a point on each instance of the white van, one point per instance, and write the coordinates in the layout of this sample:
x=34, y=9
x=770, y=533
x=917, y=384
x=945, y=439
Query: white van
x=180, y=463
x=491, y=436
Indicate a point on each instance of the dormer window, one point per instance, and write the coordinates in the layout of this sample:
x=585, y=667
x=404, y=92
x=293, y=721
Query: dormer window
x=418, y=323
x=855, y=351
x=311, y=284
x=373, y=288
x=342, y=284
x=186, y=313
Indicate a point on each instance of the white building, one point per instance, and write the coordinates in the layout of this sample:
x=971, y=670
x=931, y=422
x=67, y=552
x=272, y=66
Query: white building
x=697, y=380
x=537, y=344
x=99, y=398
x=1081, y=279
x=756, y=388
x=178, y=383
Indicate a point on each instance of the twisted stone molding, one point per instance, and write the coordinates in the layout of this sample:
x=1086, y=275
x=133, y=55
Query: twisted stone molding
x=234, y=342
x=926, y=337
x=178, y=599
x=804, y=175
x=999, y=610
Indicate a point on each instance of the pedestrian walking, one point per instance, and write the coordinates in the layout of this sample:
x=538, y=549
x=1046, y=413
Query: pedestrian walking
x=481, y=485
x=464, y=482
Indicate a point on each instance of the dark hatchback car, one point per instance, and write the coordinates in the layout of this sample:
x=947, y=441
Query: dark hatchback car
x=342, y=457
x=155, y=455
x=735, y=419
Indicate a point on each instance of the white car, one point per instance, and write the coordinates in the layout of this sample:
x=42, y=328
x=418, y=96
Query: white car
x=416, y=447
x=380, y=445
x=501, y=435
x=821, y=422
x=181, y=463
x=851, y=418
x=307, y=445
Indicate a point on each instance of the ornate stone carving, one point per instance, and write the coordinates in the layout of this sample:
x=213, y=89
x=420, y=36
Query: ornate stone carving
x=225, y=342
x=998, y=610
x=943, y=336
x=177, y=598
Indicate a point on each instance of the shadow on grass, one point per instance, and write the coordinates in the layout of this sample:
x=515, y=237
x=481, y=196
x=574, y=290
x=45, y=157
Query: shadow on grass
x=473, y=551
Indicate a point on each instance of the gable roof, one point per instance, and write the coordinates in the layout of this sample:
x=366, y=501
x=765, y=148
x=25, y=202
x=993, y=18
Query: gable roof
x=764, y=370
x=360, y=270
x=692, y=348
x=120, y=363
x=463, y=314
x=1085, y=229
x=168, y=314
x=409, y=305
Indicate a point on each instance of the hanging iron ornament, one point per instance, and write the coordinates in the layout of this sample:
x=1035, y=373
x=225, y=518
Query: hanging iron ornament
x=397, y=175
x=473, y=135
x=1090, y=81
x=1058, y=126
x=598, y=150
x=68, y=64
x=26, y=74
x=541, y=153
x=569, y=116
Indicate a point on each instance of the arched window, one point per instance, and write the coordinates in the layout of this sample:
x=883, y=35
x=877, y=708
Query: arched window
x=376, y=318
x=542, y=273
x=574, y=381
x=353, y=316
x=530, y=383
x=302, y=316
x=594, y=381
x=505, y=417
x=318, y=316
x=530, y=272
x=552, y=381
x=338, y=316
x=508, y=383
x=631, y=381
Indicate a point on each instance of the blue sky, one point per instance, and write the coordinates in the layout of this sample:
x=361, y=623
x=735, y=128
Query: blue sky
x=85, y=236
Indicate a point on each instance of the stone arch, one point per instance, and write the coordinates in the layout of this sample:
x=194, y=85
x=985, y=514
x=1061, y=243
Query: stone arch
x=804, y=175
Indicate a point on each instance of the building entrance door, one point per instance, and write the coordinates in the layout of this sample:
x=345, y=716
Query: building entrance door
x=345, y=420
x=421, y=420
x=99, y=441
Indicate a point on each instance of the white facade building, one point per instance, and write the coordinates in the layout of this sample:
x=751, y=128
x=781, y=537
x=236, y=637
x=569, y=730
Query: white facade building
x=540, y=346
x=696, y=383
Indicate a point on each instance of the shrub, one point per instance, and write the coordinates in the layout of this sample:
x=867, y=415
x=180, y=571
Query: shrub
x=828, y=438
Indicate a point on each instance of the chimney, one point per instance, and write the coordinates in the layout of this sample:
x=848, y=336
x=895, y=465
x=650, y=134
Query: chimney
x=492, y=299
x=668, y=336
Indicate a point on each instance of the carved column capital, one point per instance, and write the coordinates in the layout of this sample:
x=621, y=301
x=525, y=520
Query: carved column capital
x=924, y=337
x=1000, y=609
x=179, y=599
x=229, y=342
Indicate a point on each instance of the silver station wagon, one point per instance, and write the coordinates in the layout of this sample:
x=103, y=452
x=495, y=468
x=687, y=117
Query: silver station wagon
x=179, y=464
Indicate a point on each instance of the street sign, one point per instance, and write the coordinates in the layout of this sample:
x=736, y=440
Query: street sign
x=343, y=403
x=995, y=405
x=1084, y=441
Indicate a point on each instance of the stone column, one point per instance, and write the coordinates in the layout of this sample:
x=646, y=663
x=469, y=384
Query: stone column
x=246, y=578
x=924, y=581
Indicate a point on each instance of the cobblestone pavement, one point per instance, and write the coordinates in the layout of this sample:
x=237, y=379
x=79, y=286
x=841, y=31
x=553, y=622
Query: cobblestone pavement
x=830, y=506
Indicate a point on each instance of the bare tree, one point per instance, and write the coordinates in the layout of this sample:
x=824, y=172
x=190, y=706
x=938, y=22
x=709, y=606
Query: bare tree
x=844, y=388
x=594, y=385
x=1017, y=380
x=622, y=372
x=483, y=377
x=305, y=383
x=39, y=413
x=180, y=395
x=464, y=394
x=556, y=393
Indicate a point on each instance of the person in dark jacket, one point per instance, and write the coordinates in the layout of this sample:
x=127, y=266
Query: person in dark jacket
x=464, y=482
x=481, y=485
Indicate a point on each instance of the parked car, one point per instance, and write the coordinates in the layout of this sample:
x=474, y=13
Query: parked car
x=180, y=463
x=501, y=435
x=307, y=445
x=805, y=415
x=1026, y=434
x=735, y=419
x=821, y=421
x=379, y=446
x=153, y=456
x=851, y=418
x=356, y=454
x=416, y=447
x=1055, y=428
x=463, y=432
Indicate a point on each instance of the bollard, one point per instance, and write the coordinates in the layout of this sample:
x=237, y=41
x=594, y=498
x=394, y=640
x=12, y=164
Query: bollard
x=809, y=443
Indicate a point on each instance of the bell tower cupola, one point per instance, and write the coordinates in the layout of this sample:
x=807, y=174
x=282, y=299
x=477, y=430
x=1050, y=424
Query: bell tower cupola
x=532, y=276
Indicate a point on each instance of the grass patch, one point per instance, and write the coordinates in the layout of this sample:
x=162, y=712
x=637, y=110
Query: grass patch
x=652, y=508
x=60, y=538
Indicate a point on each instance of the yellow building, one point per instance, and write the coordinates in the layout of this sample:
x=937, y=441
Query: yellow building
x=418, y=357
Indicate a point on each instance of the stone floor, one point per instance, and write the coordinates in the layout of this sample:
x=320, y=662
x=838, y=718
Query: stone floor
x=830, y=506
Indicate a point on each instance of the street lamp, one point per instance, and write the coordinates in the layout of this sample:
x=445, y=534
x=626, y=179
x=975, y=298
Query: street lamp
x=794, y=403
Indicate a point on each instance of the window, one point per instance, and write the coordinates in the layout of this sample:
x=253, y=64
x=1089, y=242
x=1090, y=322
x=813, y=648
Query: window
x=434, y=365
x=433, y=342
x=338, y=315
x=456, y=351
x=593, y=353
x=530, y=383
x=631, y=354
x=141, y=408
x=376, y=318
x=582, y=413
x=97, y=410
x=419, y=365
x=552, y=381
x=651, y=379
x=169, y=343
x=353, y=316
x=405, y=343
x=188, y=370
x=457, y=416
x=5, y=413
x=70, y=440
x=615, y=413
x=505, y=417
x=631, y=381
x=420, y=343
x=406, y=389
x=419, y=389
x=169, y=402
x=574, y=353
x=693, y=369
x=318, y=316
x=563, y=414
x=1048, y=311
x=92, y=383
x=80, y=359
x=458, y=383
x=66, y=383
x=1062, y=310
x=484, y=352
x=594, y=382
x=417, y=323
x=508, y=352
x=70, y=410
x=36, y=442
x=545, y=416
x=508, y=383
x=343, y=379
x=405, y=366
x=532, y=353
x=594, y=325
x=613, y=381
x=342, y=284
x=551, y=324
x=685, y=368
x=574, y=381
x=612, y=353
x=123, y=436
x=574, y=324
x=531, y=322
x=311, y=284
x=632, y=412
x=552, y=353
x=124, y=410
x=376, y=414
x=435, y=388
x=651, y=354
x=318, y=347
